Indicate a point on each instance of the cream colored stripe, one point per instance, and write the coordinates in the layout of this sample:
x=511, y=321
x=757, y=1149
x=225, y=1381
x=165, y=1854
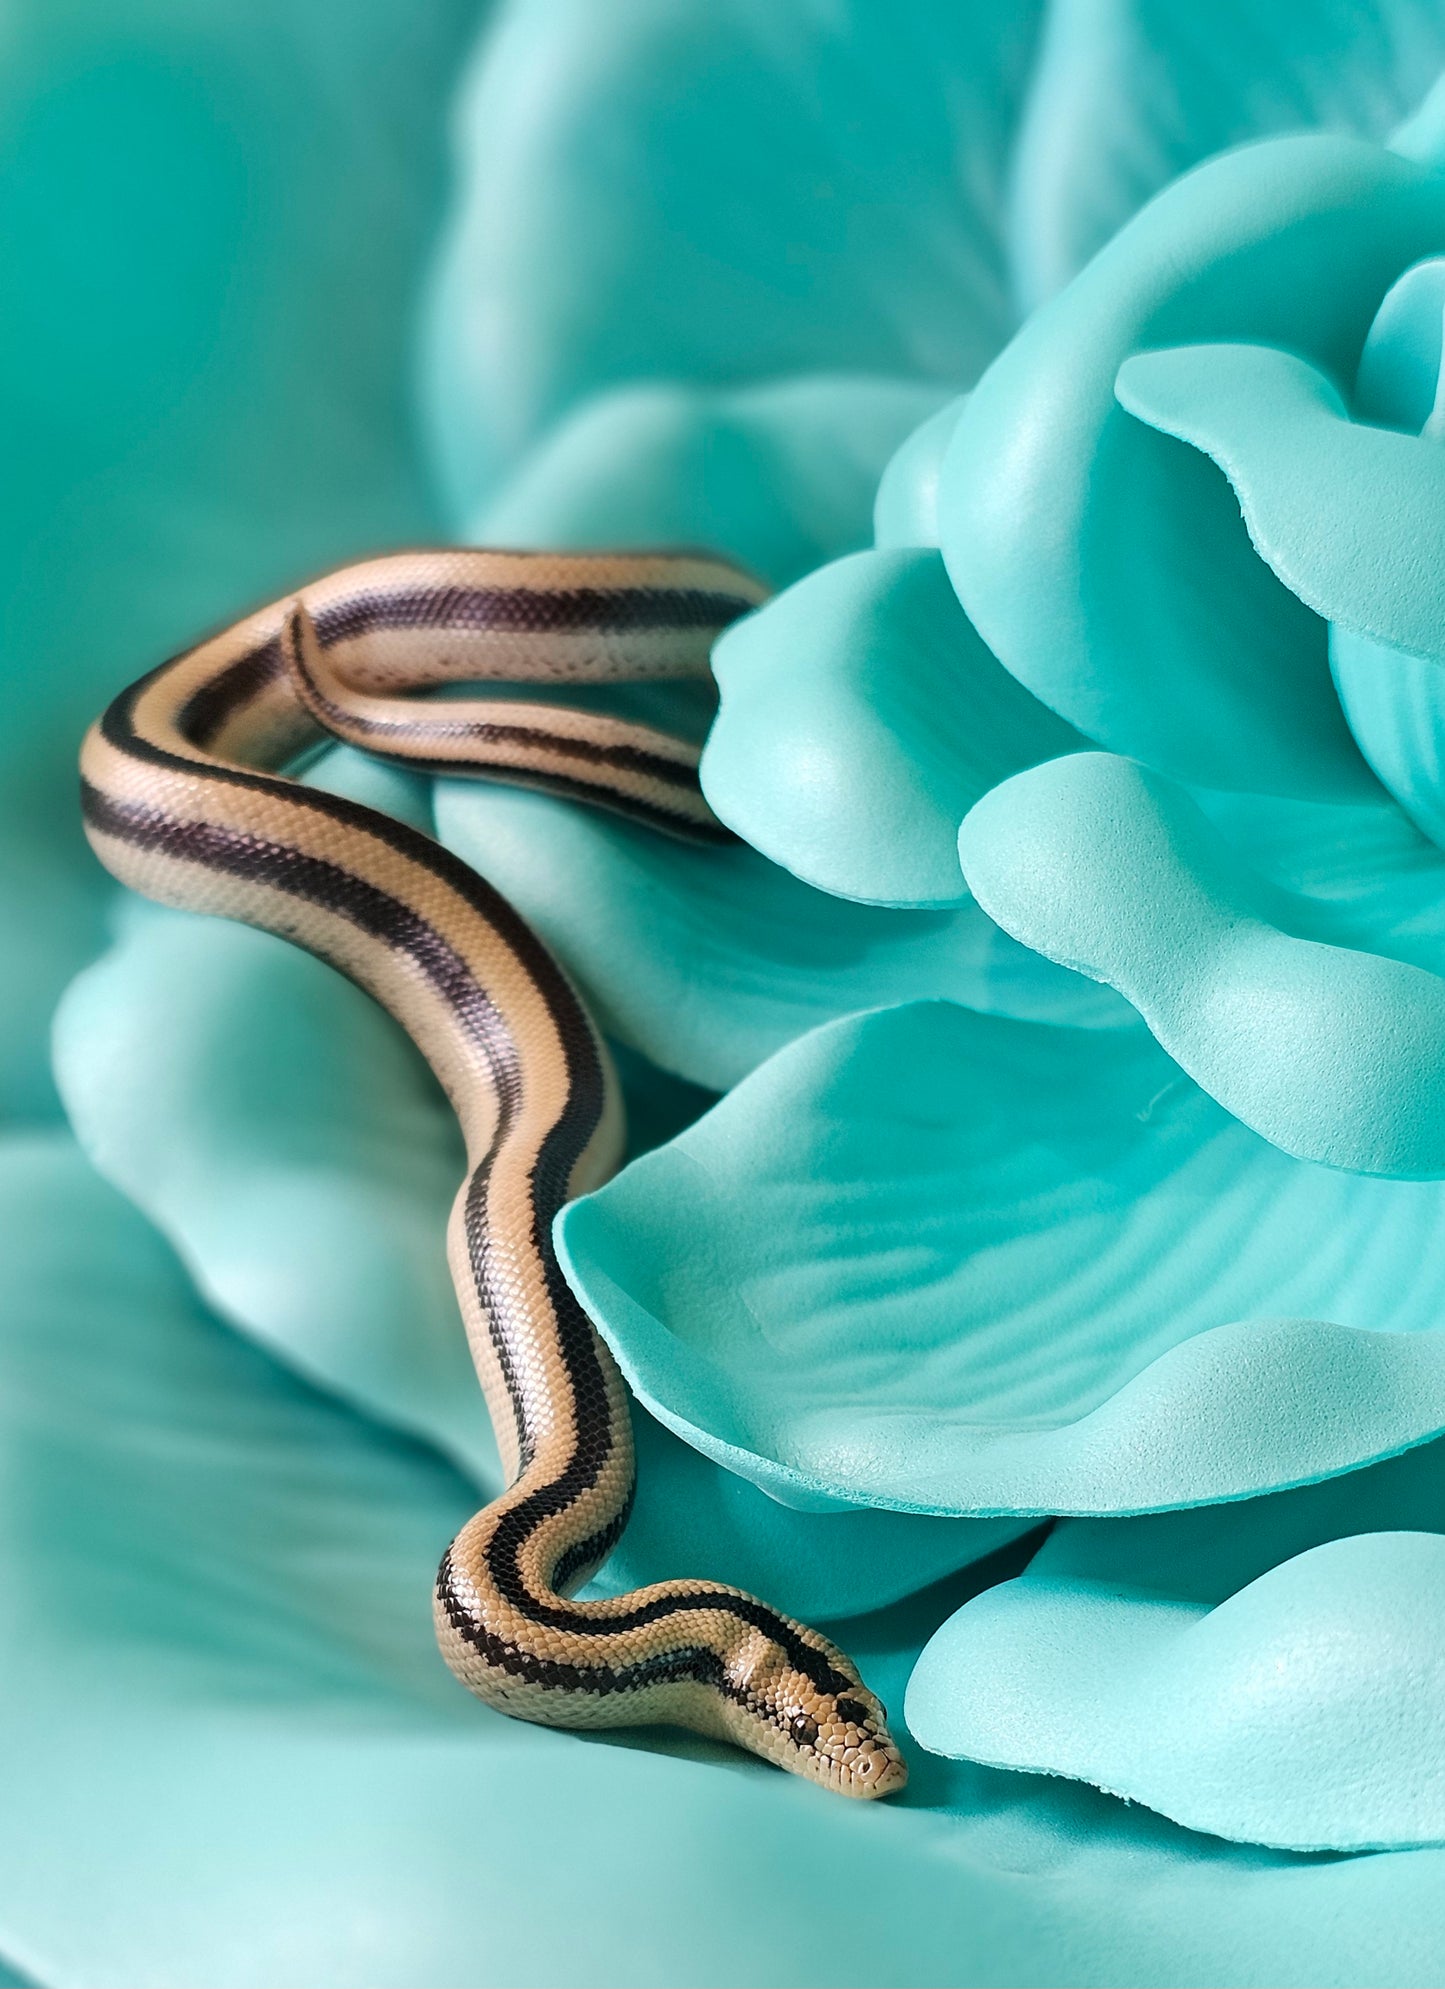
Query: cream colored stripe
x=464, y=1072
x=441, y=567
x=265, y=733
x=439, y=728
x=525, y=1014
x=284, y=816
x=385, y=659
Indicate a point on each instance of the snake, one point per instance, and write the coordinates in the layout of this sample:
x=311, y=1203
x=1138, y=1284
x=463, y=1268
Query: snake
x=494, y=665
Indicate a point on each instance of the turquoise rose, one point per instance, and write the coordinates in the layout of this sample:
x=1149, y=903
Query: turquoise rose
x=708, y=273
x=1204, y=1224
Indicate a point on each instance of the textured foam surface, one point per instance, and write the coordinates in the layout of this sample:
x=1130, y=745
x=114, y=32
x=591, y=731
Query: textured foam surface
x=1350, y=517
x=1099, y=559
x=861, y=718
x=1330, y=1051
x=284, y=1135
x=708, y=959
x=250, y=1702
x=1270, y=1672
x=937, y=1260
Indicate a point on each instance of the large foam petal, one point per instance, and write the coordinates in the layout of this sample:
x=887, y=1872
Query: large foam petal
x=1269, y=1672
x=941, y=1261
x=707, y=960
x=861, y=719
x=1333, y=1051
x=223, y=1717
x=1102, y=561
x=282, y=1132
x=1351, y=517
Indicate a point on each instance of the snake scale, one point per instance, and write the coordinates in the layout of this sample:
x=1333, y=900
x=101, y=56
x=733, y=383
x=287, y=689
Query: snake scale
x=186, y=799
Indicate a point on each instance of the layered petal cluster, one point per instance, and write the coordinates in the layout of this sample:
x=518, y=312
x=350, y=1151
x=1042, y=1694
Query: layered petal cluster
x=1183, y=727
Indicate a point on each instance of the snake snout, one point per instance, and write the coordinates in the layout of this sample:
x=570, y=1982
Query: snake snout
x=879, y=1770
x=842, y=1740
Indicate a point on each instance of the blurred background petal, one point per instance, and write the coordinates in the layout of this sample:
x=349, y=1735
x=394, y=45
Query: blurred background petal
x=1126, y=94
x=718, y=195
x=779, y=476
x=216, y=221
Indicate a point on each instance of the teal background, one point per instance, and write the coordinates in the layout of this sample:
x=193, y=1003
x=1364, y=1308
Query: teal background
x=283, y=285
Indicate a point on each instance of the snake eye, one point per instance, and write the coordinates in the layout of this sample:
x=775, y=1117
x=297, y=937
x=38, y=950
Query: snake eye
x=804, y=1729
x=851, y=1711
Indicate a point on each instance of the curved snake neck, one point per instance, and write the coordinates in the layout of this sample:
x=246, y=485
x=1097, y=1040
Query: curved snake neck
x=185, y=802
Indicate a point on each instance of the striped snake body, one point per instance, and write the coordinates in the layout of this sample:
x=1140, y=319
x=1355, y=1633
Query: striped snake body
x=185, y=801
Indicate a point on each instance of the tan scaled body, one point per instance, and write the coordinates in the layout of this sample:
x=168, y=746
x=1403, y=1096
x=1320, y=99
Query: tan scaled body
x=184, y=802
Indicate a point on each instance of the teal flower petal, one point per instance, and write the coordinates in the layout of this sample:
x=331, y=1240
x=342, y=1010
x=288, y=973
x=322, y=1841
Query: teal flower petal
x=939, y=1261
x=861, y=719
x=651, y=192
x=695, y=1516
x=281, y=1130
x=202, y=340
x=1362, y=876
x=905, y=511
x=222, y=1706
x=1332, y=1052
x=1096, y=557
x=1351, y=518
x=707, y=960
x=285, y=1136
x=218, y=1665
x=1127, y=94
x=1393, y=701
x=1269, y=1672
x=1395, y=706
x=779, y=476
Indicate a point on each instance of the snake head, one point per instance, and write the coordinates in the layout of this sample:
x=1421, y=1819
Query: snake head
x=842, y=1740
x=834, y=1733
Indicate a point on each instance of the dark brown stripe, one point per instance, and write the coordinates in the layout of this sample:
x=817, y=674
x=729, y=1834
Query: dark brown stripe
x=653, y=814
x=697, y=1662
x=359, y=727
x=529, y=610
x=316, y=881
x=386, y=918
x=381, y=916
x=612, y=1678
x=203, y=715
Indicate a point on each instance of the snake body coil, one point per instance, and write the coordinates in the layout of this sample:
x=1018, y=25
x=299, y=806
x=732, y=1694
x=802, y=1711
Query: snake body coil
x=184, y=801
